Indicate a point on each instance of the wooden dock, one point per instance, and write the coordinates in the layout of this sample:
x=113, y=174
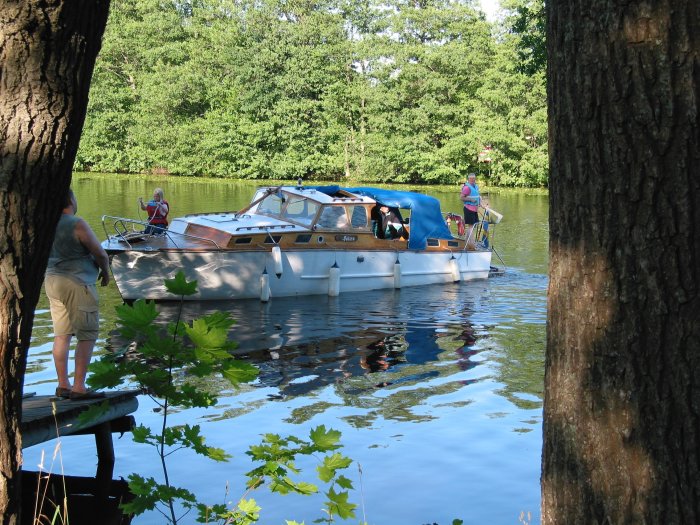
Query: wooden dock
x=47, y=417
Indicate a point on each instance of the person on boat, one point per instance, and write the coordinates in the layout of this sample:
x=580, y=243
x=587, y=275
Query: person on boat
x=157, y=210
x=389, y=224
x=76, y=261
x=471, y=199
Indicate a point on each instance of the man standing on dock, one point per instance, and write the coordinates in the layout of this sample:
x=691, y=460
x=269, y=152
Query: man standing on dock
x=76, y=261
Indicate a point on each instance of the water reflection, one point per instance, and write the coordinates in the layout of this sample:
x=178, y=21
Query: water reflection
x=410, y=344
x=78, y=500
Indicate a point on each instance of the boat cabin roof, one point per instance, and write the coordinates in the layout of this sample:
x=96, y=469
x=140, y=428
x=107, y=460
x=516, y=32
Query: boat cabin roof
x=320, y=194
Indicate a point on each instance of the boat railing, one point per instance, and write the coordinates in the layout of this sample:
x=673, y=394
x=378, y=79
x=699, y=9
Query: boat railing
x=481, y=235
x=126, y=231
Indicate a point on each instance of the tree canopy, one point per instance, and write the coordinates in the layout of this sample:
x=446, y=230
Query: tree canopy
x=412, y=92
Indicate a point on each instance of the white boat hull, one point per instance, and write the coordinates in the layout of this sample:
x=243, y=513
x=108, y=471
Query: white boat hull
x=224, y=275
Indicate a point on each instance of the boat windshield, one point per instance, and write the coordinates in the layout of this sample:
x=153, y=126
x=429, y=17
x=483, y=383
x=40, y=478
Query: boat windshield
x=271, y=205
x=288, y=207
x=299, y=209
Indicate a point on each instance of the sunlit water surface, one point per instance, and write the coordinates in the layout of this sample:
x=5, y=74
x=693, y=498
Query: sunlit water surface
x=437, y=391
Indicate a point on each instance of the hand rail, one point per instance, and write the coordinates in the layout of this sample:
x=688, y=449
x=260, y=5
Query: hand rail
x=121, y=235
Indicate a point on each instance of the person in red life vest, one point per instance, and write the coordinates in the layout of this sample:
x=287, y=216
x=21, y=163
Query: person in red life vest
x=157, y=210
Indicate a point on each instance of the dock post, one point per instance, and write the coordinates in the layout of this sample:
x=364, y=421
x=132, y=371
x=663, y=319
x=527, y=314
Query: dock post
x=105, y=460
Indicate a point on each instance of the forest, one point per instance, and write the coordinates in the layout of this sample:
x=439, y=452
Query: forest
x=400, y=91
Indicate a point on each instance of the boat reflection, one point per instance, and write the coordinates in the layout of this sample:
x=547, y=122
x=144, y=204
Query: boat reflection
x=357, y=341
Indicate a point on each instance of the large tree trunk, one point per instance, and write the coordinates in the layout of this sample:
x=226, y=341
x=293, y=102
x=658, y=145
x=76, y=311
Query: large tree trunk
x=622, y=394
x=47, y=53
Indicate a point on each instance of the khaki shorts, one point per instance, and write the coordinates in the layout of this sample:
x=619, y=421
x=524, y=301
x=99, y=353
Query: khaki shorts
x=74, y=307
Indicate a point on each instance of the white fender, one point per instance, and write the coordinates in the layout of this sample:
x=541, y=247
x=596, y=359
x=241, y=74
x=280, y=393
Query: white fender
x=265, y=286
x=397, y=273
x=277, y=259
x=454, y=270
x=334, y=280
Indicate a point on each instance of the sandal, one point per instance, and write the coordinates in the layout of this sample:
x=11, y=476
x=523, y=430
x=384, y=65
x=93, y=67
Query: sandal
x=63, y=393
x=90, y=394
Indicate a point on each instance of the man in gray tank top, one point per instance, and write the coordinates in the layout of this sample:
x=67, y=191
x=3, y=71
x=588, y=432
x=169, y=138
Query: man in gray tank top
x=76, y=261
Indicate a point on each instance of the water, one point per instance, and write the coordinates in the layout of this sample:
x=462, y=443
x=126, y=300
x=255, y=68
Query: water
x=437, y=390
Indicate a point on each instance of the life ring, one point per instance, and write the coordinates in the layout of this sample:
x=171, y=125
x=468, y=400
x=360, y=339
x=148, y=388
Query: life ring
x=459, y=220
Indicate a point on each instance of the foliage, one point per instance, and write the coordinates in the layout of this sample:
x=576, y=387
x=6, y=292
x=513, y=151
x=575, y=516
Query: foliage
x=382, y=92
x=190, y=351
x=277, y=457
x=527, y=20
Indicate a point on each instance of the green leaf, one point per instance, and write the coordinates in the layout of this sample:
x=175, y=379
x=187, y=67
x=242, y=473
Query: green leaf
x=142, y=434
x=237, y=372
x=138, y=316
x=219, y=320
x=325, y=440
x=88, y=417
x=249, y=507
x=162, y=348
x=192, y=438
x=338, y=504
x=104, y=373
x=344, y=482
x=208, y=513
x=145, y=492
x=330, y=465
x=180, y=286
x=305, y=489
x=211, y=355
x=203, y=334
x=246, y=512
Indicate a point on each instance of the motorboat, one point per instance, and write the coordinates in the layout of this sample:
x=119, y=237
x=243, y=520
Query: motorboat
x=302, y=240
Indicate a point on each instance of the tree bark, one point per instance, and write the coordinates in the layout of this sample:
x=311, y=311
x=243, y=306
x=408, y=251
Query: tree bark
x=47, y=53
x=622, y=395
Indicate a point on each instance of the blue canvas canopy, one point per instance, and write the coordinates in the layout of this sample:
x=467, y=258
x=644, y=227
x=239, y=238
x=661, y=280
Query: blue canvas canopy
x=426, y=218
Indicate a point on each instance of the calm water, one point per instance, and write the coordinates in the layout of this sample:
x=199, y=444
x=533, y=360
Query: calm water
x=437, y=390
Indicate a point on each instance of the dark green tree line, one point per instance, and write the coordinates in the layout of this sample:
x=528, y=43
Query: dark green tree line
x=331, y=89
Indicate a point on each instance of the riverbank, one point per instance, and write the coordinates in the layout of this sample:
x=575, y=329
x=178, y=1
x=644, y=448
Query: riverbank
x=439, y=188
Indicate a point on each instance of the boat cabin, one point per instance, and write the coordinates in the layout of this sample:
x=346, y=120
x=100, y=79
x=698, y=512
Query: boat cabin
x=315, y=209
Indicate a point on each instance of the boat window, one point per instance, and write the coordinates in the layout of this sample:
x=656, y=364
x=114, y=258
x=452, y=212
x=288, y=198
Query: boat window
x=359, y=216
x=303, y=238
x=244, y=240
x=271, y=205
x=274, y=239
x=300, y=210
x=333, y=217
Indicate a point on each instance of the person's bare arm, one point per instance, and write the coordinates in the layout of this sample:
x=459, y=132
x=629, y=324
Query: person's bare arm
x=88, y=239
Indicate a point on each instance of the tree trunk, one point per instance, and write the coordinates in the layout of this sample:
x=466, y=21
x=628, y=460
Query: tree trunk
x=47, y=53
x=622, y=398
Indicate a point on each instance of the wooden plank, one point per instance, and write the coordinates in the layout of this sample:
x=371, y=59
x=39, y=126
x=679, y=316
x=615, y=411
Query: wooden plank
x=46, y=417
